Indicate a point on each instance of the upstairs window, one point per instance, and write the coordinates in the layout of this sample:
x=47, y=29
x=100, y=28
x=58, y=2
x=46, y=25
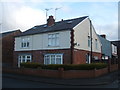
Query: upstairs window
x=25, y=43
x=114, y=49
x=96, y=44
x=53, y=39
x=89, y=41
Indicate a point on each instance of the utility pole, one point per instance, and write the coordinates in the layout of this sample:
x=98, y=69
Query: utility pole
x=91, y=41
x=55, y=11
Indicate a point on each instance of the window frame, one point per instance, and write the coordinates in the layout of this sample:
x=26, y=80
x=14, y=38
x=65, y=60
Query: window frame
x=96, y=43
x=25, y=42
x=25, y=57
x=89, y=41
x=53, y=39
x=50, y=58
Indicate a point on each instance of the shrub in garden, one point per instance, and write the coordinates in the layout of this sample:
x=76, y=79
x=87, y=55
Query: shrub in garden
x=30, y=65
x=66, y=66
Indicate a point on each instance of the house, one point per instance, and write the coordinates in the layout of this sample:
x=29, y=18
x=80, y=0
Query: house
x=62, y=42
x=106, y=47
x=115, y=49
x=7, y=46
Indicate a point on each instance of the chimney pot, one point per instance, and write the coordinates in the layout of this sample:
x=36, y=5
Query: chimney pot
x=103, y=35
x=50, y=21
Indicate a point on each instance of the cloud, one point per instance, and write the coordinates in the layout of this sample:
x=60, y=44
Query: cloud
x=20, y=16
x=111, y=30
x=24, y=14
x=28, y=17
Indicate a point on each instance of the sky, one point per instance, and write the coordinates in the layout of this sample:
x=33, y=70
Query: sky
x=25, y=14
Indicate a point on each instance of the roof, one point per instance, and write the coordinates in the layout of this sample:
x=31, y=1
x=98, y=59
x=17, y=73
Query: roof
x=117, y=43
x=58, y=26
x=7, y=33
x=106, y=46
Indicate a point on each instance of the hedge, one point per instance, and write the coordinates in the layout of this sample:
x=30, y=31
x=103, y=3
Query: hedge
x=65, y=66
x=30, y=65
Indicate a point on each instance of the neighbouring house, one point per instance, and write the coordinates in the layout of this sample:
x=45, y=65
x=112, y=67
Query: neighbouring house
x=62, y=42
x=106, y=47
x=116, y=49
x=7, y=46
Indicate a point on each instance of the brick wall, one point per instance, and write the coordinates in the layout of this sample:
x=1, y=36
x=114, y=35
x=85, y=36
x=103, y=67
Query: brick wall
x=58, y=73
x=8, y=48
x=113, y=67
x=80, y=56
x=38, y=55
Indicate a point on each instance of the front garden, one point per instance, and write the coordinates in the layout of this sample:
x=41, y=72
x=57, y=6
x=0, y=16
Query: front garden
x=65, y=66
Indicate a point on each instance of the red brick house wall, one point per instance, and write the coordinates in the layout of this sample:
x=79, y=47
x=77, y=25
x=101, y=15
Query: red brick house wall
x=8, y=48
x=80, y=56
x=38, y=55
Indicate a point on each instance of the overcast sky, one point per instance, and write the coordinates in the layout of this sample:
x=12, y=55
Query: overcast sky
x=23, y=14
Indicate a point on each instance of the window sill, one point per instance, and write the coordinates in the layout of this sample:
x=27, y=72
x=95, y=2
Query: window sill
x=53, y=46
x=25, y=47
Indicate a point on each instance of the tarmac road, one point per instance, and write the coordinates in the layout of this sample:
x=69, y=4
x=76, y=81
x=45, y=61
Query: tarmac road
x=15, y=81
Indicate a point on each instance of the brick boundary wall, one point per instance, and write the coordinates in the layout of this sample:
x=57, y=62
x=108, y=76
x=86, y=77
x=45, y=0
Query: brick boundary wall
x=113, y=67
x=60, y=73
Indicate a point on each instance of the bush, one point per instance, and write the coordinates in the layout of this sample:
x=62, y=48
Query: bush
x=100, y=65
x=30, y=65
x=66, y=66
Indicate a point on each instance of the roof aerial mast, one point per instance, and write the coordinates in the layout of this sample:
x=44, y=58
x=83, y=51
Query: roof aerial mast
x=55, y=11
x=47, y=11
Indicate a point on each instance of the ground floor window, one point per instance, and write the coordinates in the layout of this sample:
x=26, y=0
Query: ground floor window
x=53, y=59
x=24, y=58
x=96, y=57
x=88, y=58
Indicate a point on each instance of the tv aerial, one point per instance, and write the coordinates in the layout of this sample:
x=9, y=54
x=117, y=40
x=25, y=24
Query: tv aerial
x=56, y=11
x=47, y=9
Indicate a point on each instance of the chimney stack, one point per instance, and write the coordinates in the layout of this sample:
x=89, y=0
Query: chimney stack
x=103, y=35
x=50, y=21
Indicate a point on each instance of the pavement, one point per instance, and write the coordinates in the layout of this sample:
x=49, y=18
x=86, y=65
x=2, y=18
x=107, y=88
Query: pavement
x=102, y=80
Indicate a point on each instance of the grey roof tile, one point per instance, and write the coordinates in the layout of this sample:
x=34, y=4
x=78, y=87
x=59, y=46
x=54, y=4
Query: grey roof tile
x=7, y=33
x=58, y=26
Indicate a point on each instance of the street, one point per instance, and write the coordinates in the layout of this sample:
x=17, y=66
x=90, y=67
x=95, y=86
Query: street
x=18, y=83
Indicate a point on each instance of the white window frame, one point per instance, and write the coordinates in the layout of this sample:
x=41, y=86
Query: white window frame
x=96, y=57
x=114, y=49
x=96, y=43
x=50, y=55
x=20, y=59
x=88, y=58
x=25, y=42
x=53, y=39
x=89, y=41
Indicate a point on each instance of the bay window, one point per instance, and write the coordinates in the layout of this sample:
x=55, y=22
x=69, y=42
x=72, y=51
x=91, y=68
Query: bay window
x=53, y=59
